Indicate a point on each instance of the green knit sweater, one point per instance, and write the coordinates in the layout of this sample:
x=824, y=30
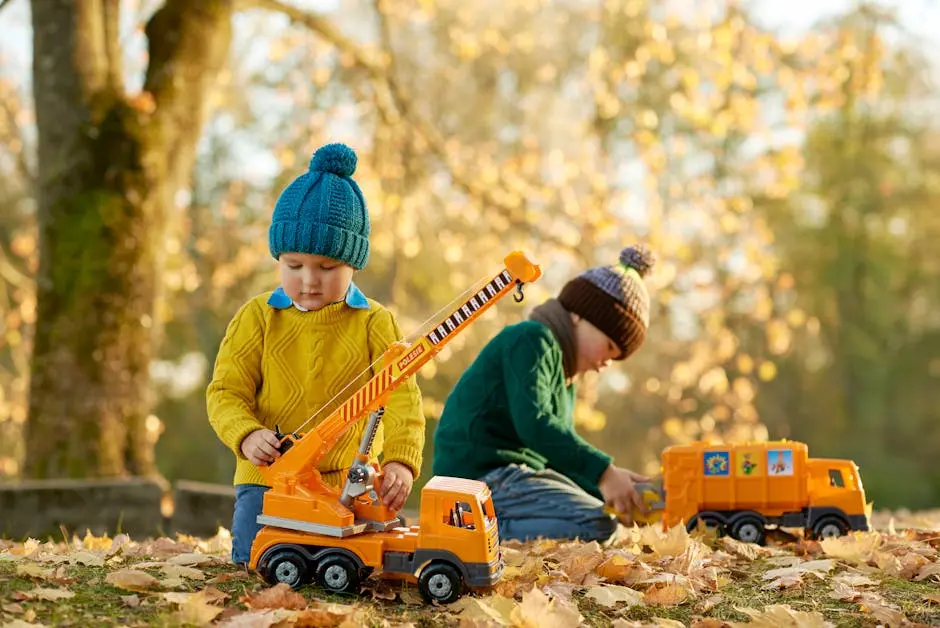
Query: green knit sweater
x=513, y=405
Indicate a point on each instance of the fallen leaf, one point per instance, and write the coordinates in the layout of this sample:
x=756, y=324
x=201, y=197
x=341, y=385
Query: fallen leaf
x=703, y=606
x=781, y=616
x=258, y=619
x=280, y=596
x=495, y=608
x=181, y=571
x=190, y=559
x=118, y=544
x=856, y=580
x=790, y=580
x=131, y=579
x=933, y=597
x=610, y=595
x=132, y=601
x=538, y=611
x=844, y=592
x=12, y=608
x=19, y=623
x=670, y=543
x=671, y=594
x=931, y=570
x=33, y=570
x=856, y=547
x=324, y=616
x=197, y=610
x=228, y=577
x=87, y=558
x=747, y=551
x=48, y=595
x=888, y=614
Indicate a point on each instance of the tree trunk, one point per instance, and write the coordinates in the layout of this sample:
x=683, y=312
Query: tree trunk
x=108, y=168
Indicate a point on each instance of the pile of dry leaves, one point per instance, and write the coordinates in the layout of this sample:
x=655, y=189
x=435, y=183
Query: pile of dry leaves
x=547, y=584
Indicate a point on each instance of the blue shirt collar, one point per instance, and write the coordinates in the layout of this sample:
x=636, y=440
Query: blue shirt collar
x=354, y=298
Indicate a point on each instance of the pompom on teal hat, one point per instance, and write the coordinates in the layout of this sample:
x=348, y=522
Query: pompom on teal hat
x=323, y=212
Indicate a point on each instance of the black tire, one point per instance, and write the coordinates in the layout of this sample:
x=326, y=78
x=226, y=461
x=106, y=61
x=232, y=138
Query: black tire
x=829, y=527
x=710, y=521
x=338, y=573
x=748, y=529
x=441, y=583
x=286, y=566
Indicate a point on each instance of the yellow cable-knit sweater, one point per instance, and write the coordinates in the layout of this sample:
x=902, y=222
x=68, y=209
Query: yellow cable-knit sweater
x=280, y=366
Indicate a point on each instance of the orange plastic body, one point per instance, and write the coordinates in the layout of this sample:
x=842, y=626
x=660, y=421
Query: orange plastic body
x=474, y=540
x=776, y=480
x=300, y=509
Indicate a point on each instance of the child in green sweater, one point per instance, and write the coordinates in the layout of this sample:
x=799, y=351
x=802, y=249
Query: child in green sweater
x=509, y=421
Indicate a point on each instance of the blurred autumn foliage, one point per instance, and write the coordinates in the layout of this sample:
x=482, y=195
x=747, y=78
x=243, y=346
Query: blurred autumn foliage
x=785, y=182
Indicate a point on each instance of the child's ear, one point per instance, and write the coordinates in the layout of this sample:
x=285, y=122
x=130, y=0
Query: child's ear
x=575, y=318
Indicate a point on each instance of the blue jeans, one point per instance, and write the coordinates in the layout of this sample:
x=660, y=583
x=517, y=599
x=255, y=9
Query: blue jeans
x=245, y=526
x=531, y=504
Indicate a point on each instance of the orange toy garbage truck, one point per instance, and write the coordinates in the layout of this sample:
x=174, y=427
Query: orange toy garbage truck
x=740, y=489
x=313, y=531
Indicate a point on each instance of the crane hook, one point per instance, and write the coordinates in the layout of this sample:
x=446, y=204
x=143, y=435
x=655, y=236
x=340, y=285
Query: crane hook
x=518, y=296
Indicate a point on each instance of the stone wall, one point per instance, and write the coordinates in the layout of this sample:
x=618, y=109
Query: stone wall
x=43, y=508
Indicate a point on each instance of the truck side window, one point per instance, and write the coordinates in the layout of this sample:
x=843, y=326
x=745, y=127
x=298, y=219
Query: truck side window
x=835, y=478
x=461, y=516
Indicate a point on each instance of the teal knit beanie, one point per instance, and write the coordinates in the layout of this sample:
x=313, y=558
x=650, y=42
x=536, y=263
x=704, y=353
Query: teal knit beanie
x=322, y=212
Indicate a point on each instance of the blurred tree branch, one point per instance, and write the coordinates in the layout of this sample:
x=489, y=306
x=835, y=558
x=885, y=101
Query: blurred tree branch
x=509, y=202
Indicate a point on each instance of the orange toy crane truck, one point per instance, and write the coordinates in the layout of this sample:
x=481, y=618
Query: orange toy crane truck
x=313, y=531
x=742, y=488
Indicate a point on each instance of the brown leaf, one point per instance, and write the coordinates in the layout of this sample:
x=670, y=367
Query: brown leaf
x=709, y=622
x=258, y=619
x=41, y=593
x=229, y=576
x=90, y=559
x=278, y=596
x=33, y=570
x=322, y=617
x=705, y=605
x=131, y=579
x=13, y=607
x=670, y=594
x=493, y=608
x=747, y=551
x=930, y=570
x=888, y=614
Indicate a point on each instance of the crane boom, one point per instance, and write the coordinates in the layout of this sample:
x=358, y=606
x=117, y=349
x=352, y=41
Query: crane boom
x=297, y=466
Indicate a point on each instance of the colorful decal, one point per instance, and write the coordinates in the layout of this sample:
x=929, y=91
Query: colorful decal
x=717, y=463
x=780, y=461
x=748, y=463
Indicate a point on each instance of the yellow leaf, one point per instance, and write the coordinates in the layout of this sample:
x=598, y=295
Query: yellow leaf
x=131, y=579
x=611, y=594
x=538, y=611
x=781, y=616
x=190, y=559
x=671, y=594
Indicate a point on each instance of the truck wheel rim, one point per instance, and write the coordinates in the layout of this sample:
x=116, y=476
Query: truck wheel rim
x=830, y=530
x=439, y=585
x=748, y=532
x=336, y=577
x=286, y=572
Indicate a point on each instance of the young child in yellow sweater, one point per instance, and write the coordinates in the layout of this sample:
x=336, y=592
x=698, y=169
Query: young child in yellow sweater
x=289, y=354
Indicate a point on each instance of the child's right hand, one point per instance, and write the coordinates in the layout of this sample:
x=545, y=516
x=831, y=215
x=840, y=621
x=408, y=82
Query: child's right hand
x=617, y=486
x=261, y=447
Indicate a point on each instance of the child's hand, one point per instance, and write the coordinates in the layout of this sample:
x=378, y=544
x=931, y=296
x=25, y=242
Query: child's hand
x=396, y=485
x=260, y=447
x=617, y=487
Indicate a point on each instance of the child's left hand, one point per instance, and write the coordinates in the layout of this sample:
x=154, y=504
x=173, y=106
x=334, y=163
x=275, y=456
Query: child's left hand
x=396, y=485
